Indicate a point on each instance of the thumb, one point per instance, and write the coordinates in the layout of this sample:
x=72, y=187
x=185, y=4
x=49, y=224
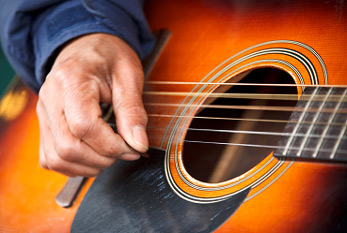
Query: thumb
x=131, y=116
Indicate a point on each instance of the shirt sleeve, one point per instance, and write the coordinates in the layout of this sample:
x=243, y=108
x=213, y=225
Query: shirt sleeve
x=32, y=33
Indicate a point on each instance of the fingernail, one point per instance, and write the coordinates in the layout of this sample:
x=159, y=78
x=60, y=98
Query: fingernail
x=130, y=156
x=140, y=137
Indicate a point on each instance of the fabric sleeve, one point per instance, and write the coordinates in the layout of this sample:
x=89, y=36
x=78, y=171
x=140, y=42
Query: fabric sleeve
x=33, y=33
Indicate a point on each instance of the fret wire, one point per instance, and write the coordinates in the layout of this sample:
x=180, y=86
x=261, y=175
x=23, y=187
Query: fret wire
x=237, y=119
x=332, y=116
x=299, y=122
x=316, y=115
x=243, y=107
x=238, y=84
x=334, y=150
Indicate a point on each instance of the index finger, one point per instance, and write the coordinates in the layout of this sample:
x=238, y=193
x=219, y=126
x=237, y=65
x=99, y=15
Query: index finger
x=83, y=115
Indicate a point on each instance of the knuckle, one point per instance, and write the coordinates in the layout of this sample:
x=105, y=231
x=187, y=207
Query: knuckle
x=61, y=73
x=108, y=150
x=81, y=127
x=65, y=151
x=145, y=118
x=112, y=151
x=115, y=148
x=63, y=76
x=135, y=111
x=55, y=164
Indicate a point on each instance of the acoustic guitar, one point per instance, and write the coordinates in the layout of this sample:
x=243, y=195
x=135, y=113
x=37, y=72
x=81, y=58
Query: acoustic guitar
x=247, y=112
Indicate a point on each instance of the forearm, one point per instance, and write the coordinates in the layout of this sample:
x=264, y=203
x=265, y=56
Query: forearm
x=31, y=40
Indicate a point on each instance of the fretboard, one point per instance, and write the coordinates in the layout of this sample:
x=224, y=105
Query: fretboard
x=317, y=129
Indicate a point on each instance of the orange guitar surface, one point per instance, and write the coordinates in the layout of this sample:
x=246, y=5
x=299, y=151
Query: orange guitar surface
x=298, y=197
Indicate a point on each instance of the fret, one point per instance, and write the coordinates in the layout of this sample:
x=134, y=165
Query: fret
x=320, y=131
x=339, y=140
x=324, y=134
x=294, y=132
x=316, y=115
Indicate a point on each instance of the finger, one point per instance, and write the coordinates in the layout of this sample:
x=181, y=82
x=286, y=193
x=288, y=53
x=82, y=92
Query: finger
x=68, y=147
x=52, y=160
x=131, y=117
x=83, y=117
x=81, y=160
x=71, y=149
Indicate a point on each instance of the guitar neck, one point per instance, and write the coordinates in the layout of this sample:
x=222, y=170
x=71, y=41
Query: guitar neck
x=317, y=129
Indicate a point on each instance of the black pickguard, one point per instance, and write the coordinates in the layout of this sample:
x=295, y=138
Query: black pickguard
x=135, y=197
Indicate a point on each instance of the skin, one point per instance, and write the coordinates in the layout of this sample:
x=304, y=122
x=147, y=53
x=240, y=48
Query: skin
x=74, y=139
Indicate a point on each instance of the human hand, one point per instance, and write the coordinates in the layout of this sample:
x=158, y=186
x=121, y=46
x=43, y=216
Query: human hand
x=75, y=140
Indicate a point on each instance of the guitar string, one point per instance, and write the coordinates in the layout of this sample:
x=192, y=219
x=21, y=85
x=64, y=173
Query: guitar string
x=335, y=98
x=244, y=132
x=326, y=128
x=334, y=150
x=324, y=150
x=289, y=97
x=240, y=119
x=248, y=132
x=253, y=132
x=241, y=95
x=239, y=84
x=248, y=107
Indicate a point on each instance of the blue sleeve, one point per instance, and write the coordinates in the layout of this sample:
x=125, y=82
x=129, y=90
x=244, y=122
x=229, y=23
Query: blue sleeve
x=33, y=31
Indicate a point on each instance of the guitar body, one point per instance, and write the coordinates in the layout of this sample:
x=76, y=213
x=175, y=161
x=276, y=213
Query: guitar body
x=215, y=42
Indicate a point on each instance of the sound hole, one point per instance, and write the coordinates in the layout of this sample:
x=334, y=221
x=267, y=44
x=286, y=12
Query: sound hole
x=226, y=143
